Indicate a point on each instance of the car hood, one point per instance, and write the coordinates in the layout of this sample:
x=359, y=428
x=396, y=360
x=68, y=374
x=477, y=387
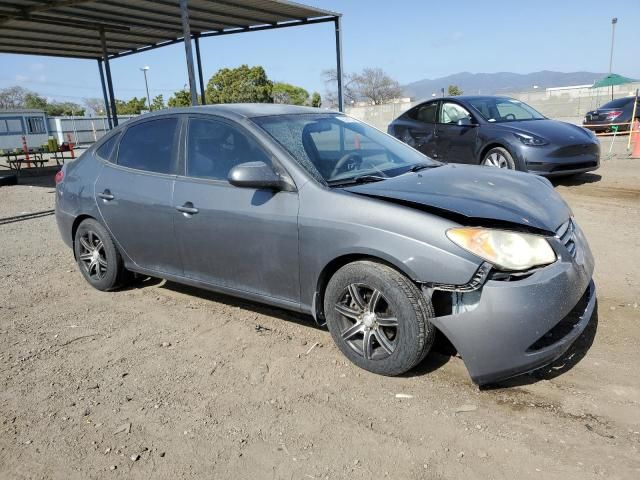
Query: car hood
x=478, y=193
x=560, y=133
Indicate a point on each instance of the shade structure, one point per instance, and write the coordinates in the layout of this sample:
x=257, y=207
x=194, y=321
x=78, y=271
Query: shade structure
x=104, y=30
x=612, y=80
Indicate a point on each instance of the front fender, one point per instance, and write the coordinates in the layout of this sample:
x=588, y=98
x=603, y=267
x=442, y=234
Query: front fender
x=351, y=225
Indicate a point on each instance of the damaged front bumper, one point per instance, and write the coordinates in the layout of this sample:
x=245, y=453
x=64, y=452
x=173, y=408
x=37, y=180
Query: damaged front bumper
x=507, y=328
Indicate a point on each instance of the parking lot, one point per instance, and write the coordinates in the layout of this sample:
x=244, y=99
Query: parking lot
x=166, y=381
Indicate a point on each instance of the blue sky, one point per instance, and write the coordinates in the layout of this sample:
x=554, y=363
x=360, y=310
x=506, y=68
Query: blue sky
x=410, y=39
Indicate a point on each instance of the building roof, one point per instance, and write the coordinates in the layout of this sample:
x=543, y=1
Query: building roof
x=71, y=28
x=20, y=111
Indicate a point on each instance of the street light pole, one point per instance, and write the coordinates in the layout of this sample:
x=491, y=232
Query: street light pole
x=614, y=20
x=146, y=84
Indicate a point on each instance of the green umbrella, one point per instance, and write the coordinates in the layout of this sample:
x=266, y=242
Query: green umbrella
x=611, y=80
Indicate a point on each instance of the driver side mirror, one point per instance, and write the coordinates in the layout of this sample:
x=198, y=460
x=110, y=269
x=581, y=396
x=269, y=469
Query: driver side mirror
x=466, y=122
x=255, y=175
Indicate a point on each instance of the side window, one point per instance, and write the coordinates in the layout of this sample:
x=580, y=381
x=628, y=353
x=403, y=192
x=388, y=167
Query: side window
x=426, y=113
x=452, y=112
x=215, y=147
x=106, y=149
x=149, y=146
x=35, y=125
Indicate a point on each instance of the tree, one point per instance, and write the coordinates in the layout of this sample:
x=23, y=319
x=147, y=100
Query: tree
x=35, y=101
x=63, y=109
x=316, y=100
x=12, y=97
x=374, y=85
x=132, y=107
x=157, y=103
x=243, y=84
x=95, y=106
x=454, y=91
x=349, y=90
x=181, y=98
x=290, y=94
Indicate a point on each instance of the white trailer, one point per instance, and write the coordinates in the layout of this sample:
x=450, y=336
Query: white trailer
x=27, y=123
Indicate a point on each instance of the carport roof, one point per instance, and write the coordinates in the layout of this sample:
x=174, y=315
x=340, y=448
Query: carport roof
x=71, y=28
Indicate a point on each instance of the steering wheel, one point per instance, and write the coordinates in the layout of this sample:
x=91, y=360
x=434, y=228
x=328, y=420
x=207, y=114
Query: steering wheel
x=506, y=117
x=357, y=161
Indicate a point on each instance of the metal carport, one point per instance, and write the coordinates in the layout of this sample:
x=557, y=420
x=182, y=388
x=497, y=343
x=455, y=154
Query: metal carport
x=109, y=29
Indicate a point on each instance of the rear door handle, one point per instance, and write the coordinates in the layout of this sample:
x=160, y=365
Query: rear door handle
x=188, y=208
x=106, y=195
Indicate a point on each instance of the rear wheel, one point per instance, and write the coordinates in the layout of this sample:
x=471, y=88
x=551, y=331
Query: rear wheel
x=97, y=256
x=378, y=318
x=499, y=157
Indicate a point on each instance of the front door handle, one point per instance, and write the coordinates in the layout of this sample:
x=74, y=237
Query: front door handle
x=188, y=208
x=106, y=195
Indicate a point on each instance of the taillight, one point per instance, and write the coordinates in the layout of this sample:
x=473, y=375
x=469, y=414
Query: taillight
x=614, y=114
x=59, y=177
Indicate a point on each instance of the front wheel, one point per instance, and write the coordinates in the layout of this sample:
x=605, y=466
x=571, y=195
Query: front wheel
x=499, y=157
x=378, y=318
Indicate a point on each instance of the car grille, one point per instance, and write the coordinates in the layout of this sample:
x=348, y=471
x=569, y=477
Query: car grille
x=574, y=166
x=566, y=233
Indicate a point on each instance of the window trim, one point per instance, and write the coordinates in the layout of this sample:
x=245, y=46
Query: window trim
x=174, y=152
x=275, y=162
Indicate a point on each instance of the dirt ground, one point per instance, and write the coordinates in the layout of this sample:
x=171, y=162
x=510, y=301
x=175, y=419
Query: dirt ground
x=163, y=381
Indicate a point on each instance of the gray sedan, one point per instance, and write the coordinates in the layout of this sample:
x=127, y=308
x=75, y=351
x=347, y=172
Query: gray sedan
x=319, y=213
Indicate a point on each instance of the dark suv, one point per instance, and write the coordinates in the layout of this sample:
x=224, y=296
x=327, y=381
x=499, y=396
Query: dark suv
x=497, y=132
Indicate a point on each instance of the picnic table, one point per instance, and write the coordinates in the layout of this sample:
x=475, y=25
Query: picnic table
x=16, y=160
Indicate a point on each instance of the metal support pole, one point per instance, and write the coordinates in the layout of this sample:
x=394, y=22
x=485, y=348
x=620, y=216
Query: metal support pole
x=203, y=101
x=104, y=94
x=613, y=37
x=105, y=59
x=146, y=84
x=337, y=22
x=186, y=33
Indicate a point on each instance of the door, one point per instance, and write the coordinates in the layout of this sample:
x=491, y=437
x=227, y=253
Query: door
x=238, y=238
x=455, y=143
x=134, y=195
x=420, y=130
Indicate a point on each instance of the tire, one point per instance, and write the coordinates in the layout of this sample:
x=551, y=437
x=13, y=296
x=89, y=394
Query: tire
x=394, y=347
x=104, y=270
x=498, y=157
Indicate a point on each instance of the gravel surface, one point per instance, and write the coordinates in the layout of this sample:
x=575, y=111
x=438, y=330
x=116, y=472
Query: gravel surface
x=165, y=381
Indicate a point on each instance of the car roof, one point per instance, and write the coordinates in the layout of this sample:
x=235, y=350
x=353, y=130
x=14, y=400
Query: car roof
x=467, y=98
x=245, y=110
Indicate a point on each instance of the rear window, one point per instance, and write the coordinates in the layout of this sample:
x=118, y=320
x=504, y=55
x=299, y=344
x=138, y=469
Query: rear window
x=618, y=103
x=149, y=146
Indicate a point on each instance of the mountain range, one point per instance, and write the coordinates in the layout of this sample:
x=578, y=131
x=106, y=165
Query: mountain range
x=500, y=82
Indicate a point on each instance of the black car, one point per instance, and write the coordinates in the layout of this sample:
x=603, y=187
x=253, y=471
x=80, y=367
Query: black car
x=498, y=132
x=616, y=111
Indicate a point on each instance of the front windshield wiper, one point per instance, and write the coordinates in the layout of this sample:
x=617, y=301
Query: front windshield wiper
x=422, y=166
x=356, y=180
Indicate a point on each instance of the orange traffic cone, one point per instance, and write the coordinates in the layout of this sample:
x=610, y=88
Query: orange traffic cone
x=635, y=132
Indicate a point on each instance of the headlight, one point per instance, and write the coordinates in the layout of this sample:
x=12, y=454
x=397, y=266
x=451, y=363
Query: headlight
x=530, y=140
x=507, y=250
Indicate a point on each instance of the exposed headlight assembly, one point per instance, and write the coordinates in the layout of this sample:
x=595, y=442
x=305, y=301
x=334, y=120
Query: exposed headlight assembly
x=506, y=250
x=530, y=140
